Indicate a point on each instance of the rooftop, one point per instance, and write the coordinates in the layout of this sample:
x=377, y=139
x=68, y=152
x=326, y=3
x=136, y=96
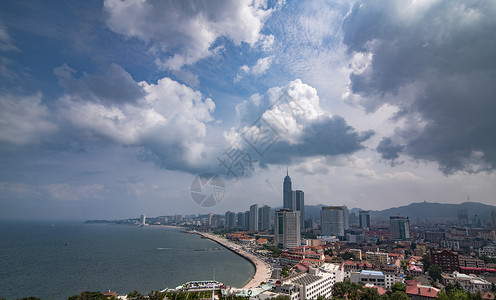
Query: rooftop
x=370, y=272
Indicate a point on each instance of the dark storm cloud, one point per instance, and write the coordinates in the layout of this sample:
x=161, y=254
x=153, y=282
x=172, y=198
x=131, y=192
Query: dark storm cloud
x=435, y=62
x=114, y=85
x=328, y=136
x=388, y=149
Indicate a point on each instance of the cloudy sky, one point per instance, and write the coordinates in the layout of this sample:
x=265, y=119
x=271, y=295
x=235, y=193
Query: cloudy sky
x=109, y=109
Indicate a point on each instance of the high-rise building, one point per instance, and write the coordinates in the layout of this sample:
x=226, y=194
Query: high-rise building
x=346, y=217
x=293, y=200
x=241, y=220
x=253, y=226
x=493, y=217
x=300, y=206
x=332, y=220
x=399, y=227
x=364, y=219
x=287, y=232
x=247, y=220
x=230, y=220
x=264, y=217
x=143, y=220
x=288, y=195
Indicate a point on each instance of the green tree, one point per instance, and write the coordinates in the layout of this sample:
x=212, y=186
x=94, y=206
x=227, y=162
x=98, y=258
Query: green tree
x=348, y=255
x=135, y=295
x=88, y=296
x=426, y=261
x=435, y=272
x=370, y=294
x=398, y=286
x=398, y=295
x=29, y=298
x=351, y=290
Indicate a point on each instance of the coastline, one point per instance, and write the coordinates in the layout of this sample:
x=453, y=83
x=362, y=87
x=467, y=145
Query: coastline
x=262, y=269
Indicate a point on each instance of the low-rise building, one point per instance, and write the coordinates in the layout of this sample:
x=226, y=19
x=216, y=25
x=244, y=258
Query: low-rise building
x=469, y=283
x=377, y=258
x=378, y=278
x=309, y=285
x=470, y=262
x=447, y=260
x=421, y=292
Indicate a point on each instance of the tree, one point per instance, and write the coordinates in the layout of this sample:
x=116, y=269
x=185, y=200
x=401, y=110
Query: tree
x=348, y=255
x=435, y=272
x=426, y=261
x=398, y=286
x=88, y=296
x=370, y=294
x=135, y=295
x=398, y=295
x=347, y=289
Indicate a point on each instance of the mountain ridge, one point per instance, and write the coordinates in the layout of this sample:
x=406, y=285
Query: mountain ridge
x=421, y=210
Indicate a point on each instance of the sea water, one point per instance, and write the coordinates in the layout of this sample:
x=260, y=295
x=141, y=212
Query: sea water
x=57, y=260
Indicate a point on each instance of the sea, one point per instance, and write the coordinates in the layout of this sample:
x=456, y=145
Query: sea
x=55, y=260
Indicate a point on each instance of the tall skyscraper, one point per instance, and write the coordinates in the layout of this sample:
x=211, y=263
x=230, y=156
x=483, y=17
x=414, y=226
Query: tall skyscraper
x=287, y=232
x=399, y=227
x=241, y=220
x=230, y=220
x=364, y=219
x=346, y=217
x=332, y=220
x=287, y=197
x=253, y=218
x=247, y=220
x=264, y=217
x=300, y=206
x=143, y=220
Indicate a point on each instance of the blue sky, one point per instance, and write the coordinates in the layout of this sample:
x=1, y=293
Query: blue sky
x=109, y=109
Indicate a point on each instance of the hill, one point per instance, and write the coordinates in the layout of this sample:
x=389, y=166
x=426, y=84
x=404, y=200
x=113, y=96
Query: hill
x=421, y=210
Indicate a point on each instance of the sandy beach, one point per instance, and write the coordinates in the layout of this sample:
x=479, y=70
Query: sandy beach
x=262, y=269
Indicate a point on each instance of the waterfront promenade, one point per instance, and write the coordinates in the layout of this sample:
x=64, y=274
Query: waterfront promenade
x=262, y=269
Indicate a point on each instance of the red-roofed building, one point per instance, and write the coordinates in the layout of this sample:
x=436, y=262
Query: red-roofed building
x=420, y=292
x=488, y=296
x=477, y=271
x=379, y=289
x=110, y=294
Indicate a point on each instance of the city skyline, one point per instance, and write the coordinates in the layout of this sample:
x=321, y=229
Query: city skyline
x=110, y=109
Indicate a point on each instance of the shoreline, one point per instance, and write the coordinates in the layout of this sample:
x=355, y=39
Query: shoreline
x=262, y=269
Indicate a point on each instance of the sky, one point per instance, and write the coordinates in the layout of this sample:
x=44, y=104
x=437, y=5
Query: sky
x=110, y=109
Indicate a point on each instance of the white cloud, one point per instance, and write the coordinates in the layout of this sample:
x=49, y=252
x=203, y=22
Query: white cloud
x=24, y=119
x=6, y=43
x=169, y=121
x=303, y=129
x=259, y=68
x=183, y=32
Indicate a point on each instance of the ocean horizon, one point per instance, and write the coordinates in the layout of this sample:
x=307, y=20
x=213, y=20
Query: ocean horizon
x=54, y=260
